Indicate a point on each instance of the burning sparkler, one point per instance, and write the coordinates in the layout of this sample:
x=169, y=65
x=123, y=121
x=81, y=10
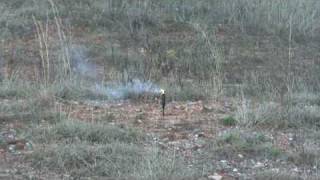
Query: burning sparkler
x=163, y=100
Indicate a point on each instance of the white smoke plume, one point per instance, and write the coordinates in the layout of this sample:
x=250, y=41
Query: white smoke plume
x=84, y=68
x=80, y=63
x=136, y=87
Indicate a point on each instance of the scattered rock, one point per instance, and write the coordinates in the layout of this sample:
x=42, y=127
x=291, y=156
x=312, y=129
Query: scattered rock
x=196, y=147
x=201, y=134
x=215, y=177
x=162, y=145
x=29, y=146
x=224, y=161
x=139, y=121
x=296, y=170
x=258, y=165
x=207, y=109
x=12, y=148
x=276, y=170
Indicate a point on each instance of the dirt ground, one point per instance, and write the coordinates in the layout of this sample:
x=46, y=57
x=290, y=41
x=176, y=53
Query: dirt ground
x=187, y=128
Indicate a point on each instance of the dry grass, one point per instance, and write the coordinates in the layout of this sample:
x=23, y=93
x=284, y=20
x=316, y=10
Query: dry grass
x=300, y=109
x=80, y=149
x=266, y=51
x=271, y=175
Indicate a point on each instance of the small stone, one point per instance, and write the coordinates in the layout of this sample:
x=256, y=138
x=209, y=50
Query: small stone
x=12, y=148
x=308, y=171
x=223, y=161
x=29, y=146
x=258, y=165
x=215, y=177
x=235, y=170
x=240, y=156
x=252, y=161
x=291, y=136
x=207, y=109
x=11, y=136
x=200, y=135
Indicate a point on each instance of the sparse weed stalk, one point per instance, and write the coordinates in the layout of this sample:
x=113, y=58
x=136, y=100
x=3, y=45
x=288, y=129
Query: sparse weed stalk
x=50, y=68
x=42, y=35
x=265, y=114
x=64, y=40
x=295, y=111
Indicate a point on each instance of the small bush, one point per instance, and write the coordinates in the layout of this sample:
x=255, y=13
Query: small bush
x=114, y=160
x=15, y=89
x=309, y=156
x=305, y=98
x=77, y=90
x=186, y=93
x=69, y=130
x=30, y=109
x=107, y=117
x=111, y=160
x=229, y=121
x=264, y=114
x=250, y=143
x=299, y=110
x=230, y=138
x=271, y=175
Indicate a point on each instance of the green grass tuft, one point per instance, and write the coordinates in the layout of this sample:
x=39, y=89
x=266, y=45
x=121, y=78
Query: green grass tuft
x=229, y=121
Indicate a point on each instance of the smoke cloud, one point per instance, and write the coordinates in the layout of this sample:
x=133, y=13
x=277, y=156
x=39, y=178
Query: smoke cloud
x=84, y=68
x=136, y=87
x=80, y=63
